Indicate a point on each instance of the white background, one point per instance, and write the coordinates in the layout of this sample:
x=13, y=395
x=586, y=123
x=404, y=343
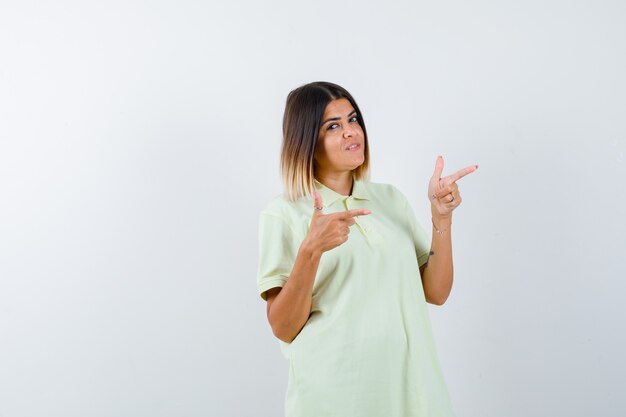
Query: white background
x=139, y=140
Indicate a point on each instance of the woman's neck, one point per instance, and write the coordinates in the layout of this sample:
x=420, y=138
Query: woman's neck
x=339, y=182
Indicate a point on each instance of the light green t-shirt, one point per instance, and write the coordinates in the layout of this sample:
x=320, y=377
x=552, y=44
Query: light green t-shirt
x=367, y=348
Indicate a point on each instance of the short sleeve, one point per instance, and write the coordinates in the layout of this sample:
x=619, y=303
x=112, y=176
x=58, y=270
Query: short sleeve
x=420, y=238
x=277, y=252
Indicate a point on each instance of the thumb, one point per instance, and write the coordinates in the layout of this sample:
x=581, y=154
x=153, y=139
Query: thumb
x=438, y=167
x=318, y=203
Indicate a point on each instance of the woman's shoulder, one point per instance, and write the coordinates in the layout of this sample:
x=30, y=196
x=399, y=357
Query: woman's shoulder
x=385, y=190
x=282, y=207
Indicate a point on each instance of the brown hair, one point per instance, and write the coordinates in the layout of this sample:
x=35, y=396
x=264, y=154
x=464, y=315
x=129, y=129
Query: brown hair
x=303, y=115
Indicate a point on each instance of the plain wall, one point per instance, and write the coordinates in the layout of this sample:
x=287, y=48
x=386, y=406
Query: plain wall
x=139, y=141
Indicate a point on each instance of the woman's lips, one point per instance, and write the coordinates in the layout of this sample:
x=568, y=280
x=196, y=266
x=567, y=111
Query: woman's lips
x=355, y=148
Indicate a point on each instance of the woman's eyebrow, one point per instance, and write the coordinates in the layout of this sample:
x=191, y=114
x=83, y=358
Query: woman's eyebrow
x=337, y=118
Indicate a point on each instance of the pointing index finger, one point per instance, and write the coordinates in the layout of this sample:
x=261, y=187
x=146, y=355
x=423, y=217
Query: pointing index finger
x=354, y=212
x=463, y=172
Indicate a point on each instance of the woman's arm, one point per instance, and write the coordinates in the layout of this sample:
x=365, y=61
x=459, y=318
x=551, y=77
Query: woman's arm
x=444, y=196
x=438, y=272
x=289, y=307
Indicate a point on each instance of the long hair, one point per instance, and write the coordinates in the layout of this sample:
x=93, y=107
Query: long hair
x=303, y=115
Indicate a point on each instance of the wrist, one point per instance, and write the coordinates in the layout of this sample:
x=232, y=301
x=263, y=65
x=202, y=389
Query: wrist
x=443, y=220
x=441, y=224
x=310, y=250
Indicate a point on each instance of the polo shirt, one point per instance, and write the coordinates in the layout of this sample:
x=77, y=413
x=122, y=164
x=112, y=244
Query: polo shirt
x=367, y=348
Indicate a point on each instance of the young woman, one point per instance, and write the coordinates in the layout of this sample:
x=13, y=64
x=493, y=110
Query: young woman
x=346, y=270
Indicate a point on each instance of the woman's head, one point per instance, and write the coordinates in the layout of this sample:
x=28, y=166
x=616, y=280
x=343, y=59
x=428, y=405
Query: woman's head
x=313, y=143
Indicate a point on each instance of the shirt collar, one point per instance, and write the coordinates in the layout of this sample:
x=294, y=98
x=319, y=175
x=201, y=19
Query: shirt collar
x=359, y=192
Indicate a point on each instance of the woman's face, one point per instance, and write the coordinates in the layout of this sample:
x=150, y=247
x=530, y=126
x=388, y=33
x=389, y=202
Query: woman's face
x=341, y=143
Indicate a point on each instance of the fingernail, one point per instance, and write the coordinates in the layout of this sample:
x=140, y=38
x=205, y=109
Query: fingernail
x=367, y=211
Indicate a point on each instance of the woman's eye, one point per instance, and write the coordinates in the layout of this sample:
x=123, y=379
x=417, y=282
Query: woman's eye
x=334, y=125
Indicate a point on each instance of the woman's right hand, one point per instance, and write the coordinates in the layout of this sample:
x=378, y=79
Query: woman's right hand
x=327, y=231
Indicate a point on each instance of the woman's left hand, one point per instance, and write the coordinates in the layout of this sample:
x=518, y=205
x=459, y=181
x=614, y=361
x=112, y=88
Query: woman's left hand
x=443, y=193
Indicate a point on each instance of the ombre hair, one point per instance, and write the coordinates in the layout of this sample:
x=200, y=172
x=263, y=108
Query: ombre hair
x=304, y=111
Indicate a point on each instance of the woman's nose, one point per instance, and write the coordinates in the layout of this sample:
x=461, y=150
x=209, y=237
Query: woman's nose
x=349, y=130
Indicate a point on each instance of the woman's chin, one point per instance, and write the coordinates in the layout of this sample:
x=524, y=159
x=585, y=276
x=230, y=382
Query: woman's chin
x=359, y=161
x=356, y=165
